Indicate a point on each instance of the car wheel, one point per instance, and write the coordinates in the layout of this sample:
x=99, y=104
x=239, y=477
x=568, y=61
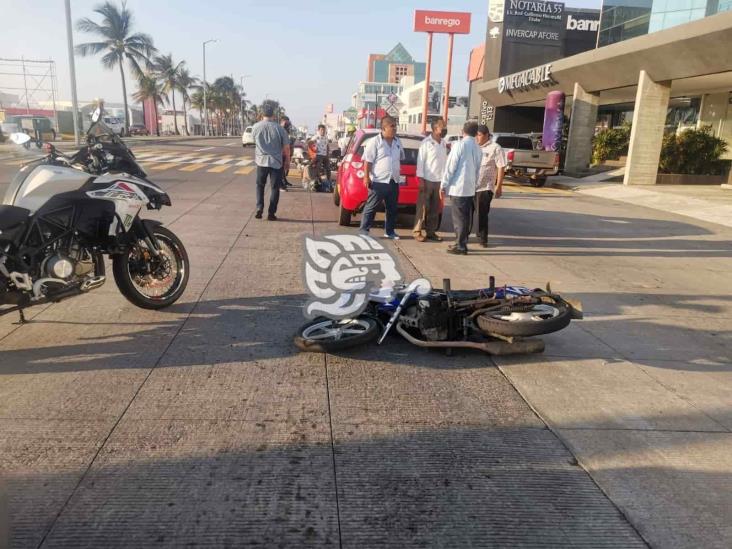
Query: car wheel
x=344, y=218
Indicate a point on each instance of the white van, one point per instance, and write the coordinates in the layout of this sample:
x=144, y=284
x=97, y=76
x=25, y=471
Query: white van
x=247, y=138
x=117, y=125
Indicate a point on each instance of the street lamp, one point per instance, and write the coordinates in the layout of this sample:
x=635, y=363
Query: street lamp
x=205, y=110
x=72, y=72
x=241, y=102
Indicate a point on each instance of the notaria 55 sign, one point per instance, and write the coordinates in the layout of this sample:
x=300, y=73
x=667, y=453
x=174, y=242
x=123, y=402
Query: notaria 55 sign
x=450, y=22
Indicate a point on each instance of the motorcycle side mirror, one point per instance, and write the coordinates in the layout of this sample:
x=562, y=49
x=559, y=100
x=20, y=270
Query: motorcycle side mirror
x=20, y=138
x=96, y=115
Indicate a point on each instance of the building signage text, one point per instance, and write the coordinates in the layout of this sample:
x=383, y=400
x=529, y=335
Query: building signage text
x=582, y=24
x=525, y=80
x=487, y=112
x=450, y=22
x=535, y=11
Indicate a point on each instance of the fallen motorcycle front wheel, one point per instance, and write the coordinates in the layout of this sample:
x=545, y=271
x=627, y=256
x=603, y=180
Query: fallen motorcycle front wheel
x=325, y=335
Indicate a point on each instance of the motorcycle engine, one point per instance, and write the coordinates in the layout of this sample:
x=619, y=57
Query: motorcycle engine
x=65, y=266
x=60, y=266
x=434, y=317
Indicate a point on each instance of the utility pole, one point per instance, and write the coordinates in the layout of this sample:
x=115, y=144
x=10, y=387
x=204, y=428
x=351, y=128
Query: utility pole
x=205, y=108
x=425, y=95
x=72, y=70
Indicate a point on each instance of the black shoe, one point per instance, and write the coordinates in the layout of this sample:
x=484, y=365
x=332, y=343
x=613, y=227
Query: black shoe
x=484, y=243
x=433, y=238
x=258, y=215
x=456, y=251
x=271, y=217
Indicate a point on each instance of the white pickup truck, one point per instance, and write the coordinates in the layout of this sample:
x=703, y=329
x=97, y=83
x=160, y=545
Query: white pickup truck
x=526, y=162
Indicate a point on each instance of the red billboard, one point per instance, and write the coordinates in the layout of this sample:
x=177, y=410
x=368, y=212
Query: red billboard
x=449, y=22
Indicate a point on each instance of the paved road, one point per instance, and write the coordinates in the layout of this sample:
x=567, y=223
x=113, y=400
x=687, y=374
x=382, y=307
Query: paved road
x=201, y=424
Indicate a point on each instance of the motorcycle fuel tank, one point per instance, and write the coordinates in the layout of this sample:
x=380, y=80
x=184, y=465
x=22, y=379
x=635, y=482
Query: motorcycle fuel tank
x=36, y=183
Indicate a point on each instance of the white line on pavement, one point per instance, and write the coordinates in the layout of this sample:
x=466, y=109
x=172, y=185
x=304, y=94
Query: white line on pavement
x=223, y=161
x=244, y=163
x=205, y=149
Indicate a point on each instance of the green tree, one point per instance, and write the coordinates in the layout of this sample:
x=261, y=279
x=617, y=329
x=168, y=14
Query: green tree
x=117, y=42
x=169, y=73
x=186, y=82
x=149, y=87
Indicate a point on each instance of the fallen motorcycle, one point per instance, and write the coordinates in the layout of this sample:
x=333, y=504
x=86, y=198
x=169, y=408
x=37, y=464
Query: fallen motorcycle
x=496, y=320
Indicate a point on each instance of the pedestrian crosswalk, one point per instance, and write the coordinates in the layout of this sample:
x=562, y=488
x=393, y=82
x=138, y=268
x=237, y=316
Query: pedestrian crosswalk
x=160, y=160
x=203, y=160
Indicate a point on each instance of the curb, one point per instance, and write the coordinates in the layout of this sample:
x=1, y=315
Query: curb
x=563, y=186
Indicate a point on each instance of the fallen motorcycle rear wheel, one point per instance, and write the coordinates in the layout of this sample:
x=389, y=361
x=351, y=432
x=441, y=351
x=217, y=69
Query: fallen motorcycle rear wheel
x=543, y=318
x=324, y=335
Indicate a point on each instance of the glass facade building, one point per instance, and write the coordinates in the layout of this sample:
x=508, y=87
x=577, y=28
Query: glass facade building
x=624, y=19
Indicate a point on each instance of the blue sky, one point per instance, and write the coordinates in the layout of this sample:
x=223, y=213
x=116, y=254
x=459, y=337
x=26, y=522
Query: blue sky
x=306, y=53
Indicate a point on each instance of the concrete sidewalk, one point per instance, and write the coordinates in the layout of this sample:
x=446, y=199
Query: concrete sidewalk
x=711, y=203
x=641, y=390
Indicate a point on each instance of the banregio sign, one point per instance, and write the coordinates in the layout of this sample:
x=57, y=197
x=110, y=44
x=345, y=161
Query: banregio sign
x=526, y=80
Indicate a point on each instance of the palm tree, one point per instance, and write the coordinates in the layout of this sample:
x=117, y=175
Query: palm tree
x=149, y=87
x=118, y=42
x=169, y=72
x=186, y=82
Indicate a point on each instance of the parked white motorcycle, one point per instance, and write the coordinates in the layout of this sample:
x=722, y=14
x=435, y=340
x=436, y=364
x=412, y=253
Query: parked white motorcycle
x=62, y=214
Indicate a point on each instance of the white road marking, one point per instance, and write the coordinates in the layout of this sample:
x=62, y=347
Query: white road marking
x=223, y=161
x=244, y=162
x=163, y=158
x=205, y=149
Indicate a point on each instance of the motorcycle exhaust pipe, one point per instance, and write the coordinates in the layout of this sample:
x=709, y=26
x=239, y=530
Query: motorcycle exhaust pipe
x=495, y=348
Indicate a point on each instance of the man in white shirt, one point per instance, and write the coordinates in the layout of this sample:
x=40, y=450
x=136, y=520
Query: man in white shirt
x=322, y=148
x=459, y=182
x=431, y=161
x=490, y=180
x=383, y=155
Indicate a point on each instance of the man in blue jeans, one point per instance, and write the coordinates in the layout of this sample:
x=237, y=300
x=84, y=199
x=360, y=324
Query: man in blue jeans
x=272, y=153
x=383, y=156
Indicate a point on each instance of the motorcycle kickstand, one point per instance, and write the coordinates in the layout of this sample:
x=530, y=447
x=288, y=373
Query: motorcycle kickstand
x=22, y=320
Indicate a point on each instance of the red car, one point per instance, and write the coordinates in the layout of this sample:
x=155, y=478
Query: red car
x=350, y=193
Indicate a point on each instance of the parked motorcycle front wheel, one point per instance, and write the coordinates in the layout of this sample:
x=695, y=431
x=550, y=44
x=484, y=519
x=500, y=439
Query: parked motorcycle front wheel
x=543, y=318
x=324, y=335
x=149, y=281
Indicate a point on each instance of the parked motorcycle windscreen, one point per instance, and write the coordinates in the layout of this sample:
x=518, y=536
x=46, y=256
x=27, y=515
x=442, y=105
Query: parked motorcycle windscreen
x=12, y=192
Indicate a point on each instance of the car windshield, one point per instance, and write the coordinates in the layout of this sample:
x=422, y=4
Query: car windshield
x=410, y=145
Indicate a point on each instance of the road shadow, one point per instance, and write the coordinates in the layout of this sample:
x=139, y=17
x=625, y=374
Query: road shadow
x=412, y=487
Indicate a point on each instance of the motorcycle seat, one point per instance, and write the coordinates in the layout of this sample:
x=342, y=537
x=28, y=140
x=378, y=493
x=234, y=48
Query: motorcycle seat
x=12, y=216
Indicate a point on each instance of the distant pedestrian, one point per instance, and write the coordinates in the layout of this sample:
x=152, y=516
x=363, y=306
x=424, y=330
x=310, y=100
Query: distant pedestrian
x=490, y=180
x=431, y=161
x=459, y=182
x=322, y=149
x=272, y=153
x=346, y=139
x=287, y=125
x=383, y=155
